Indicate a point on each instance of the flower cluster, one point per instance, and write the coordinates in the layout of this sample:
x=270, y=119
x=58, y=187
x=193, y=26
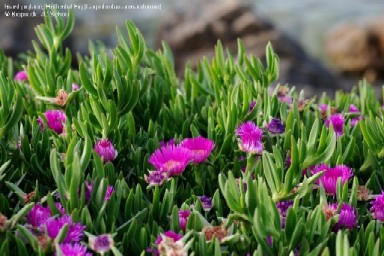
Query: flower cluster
x=47, y=226
x=329, y=179
x=171, y=160
x=377, y=208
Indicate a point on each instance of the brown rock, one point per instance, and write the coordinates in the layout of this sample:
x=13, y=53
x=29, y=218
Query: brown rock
x=357, y=48
x=194, y=33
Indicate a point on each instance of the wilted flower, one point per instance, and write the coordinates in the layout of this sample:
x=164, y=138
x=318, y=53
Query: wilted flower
x=164, y=240
x=337, y=121
x=171, y=159
x=54, y=225
x=323, y=108
x=363, y=193
x=206, y=202
x=28, y=197
x=275, y=126
x=73, y=249
x=104, y=148
x=183, y=218
x=283, y=207
x=331, y=175
x=38, y=215
x=347, y=215
x=156, y=178
x=21, y=76
x=3, y=222
x=216, y=231
x=377, y=208
x=55, y=120
x=101, y=243
x=250, y=138
x=200, y=147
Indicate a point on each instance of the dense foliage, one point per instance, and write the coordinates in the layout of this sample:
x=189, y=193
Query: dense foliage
x=122, y=157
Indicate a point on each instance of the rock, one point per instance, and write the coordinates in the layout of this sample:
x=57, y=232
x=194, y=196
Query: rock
x=357, y=48
x=194, y=33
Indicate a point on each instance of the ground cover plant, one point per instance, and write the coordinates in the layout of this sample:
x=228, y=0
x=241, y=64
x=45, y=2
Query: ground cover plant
x=121, y=157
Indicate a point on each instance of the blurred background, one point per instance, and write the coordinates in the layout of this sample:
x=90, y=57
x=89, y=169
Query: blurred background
x=323, y=45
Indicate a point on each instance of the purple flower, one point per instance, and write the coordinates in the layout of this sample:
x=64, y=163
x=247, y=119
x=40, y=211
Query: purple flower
x=347, y=216
x=75, y=87
x=76, y=249
x=156, y=178
x=104, y=148
x=38, y=215
x=354, y=109
x=323, y=108
x=171, y=159
x=251, y=106
x=250, y=138
x=54, y=225
x=206, y=202
x=56, y=120
x=89, y=189
x=377, y=208
x=21, y=76
x=200, y=147
x=183, y=218
x=331, y=175
x=275, y=126
x=101, y=244
x=169, y=243
x=337, y=121
x=283, y=207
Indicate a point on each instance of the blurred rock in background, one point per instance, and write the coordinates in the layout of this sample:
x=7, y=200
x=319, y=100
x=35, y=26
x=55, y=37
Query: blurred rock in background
x=358, y=48
x=193, y=33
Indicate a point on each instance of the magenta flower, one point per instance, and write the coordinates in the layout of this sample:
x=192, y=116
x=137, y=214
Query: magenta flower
x=200, y=147
x=55, y=120
x=60, y=208
x=283, y=207
x=347, y=216
x=331, y=175
x=354, y=109
x=275, y=126
x=337, y=121
x=156, y=178
x=73, y=249
x=206, y=202
x=104, y=148
x=183, y=218
x=377, y=208
x=21, y=76
x=171, y=159
x=75, y=87
x=250, y=138
x=101, y=243
x=54, y=225
x=38, y=215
